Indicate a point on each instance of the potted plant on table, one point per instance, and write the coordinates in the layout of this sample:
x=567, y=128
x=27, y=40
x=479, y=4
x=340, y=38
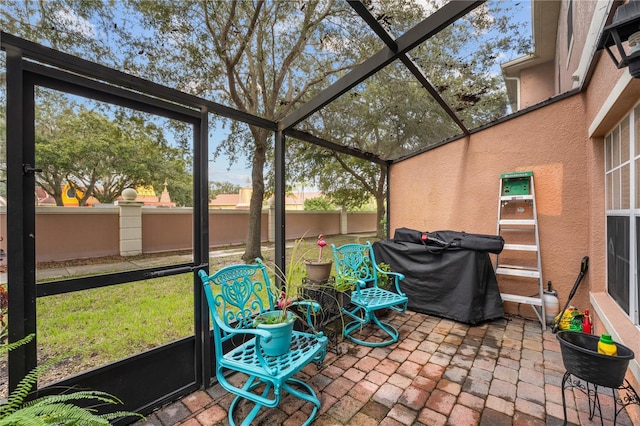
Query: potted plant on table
x=279, y=323
x=281, y=319
x=319, y=271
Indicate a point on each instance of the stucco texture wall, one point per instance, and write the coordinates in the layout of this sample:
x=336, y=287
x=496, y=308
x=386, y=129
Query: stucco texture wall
x=456, y=186
x=536, y=84
x=569, y=52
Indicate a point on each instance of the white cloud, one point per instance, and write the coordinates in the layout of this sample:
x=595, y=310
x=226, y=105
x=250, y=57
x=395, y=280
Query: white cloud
x=430, y=6
x=72, y=22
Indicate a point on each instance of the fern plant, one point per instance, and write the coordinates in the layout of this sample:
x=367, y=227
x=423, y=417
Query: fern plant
x=56, y=410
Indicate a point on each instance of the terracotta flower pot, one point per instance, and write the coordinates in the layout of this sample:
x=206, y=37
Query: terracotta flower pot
x=318, y=271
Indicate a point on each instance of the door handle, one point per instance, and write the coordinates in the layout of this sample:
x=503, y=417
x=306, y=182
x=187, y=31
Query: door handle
x=28, y=168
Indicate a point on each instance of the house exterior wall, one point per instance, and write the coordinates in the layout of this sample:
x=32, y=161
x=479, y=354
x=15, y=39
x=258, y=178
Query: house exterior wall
x=537, y=84
x=455, y=186
x=558, y=62
x=569, y=53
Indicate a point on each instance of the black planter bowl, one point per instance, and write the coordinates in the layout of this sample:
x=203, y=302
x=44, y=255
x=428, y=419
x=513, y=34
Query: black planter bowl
x=581, y=359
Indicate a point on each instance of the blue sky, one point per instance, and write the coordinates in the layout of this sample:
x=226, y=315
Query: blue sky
x=239, y=173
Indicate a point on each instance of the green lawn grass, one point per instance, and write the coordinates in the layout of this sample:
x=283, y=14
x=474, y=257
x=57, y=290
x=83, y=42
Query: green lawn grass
x=94, y=327
x=98, y=326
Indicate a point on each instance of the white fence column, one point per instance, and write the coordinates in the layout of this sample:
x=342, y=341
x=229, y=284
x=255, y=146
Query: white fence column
x=130, y=223
x=343, y=220
x=271, y=235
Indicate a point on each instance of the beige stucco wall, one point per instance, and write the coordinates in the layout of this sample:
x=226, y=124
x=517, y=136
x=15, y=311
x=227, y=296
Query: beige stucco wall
x=311, y=224
x=609, y=97
x=569, y=55
x=536, y=84
x=64, y=233
x=456, y=186
x=359, y=222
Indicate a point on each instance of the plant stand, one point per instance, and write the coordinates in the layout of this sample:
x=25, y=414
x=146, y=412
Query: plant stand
x=587, y=370
x=329, y=319
x=623, y=396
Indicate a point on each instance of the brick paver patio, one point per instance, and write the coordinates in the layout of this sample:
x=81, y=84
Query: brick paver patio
x=506, y=372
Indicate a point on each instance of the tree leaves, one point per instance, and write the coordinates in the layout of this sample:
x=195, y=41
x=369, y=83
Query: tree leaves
x=97, y=155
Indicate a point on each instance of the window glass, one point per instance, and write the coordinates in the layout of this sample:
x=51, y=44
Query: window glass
x=636, y=114
x=637, y=184
x=624, y=140
x=615, y=159
x=616, y=190
x=618, y=260
x=625, y=192
x=569, y=24
x=608, y=192
x=607, y=153
x=622, y=199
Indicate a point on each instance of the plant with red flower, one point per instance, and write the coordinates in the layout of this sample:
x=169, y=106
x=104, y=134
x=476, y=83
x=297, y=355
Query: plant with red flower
x=4, y=308
x=287, y=294
x=4, y=303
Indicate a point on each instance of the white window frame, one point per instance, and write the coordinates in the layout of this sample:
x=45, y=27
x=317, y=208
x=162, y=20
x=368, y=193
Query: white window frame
x=570, y=31
x=613, y=188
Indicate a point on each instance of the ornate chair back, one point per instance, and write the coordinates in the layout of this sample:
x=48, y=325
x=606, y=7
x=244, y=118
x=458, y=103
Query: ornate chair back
x=356, y=263
x=236, y=295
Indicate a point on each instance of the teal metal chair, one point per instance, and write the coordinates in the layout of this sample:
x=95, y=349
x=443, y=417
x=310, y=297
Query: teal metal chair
x=236, y=295
x=356, y=263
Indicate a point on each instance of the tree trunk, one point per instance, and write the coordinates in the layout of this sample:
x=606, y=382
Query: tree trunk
x=52, y=185
x=381, y=224
x=254, y=232
x=381, y=207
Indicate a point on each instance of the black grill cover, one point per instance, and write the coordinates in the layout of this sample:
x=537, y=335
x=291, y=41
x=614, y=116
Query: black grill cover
x=451, y=240
x=456, y=284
